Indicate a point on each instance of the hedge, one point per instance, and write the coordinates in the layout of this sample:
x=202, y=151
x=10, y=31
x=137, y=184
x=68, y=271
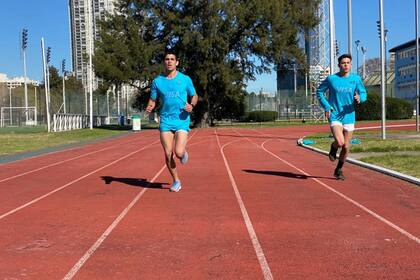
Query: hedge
x=396, y=109
x=262, y=116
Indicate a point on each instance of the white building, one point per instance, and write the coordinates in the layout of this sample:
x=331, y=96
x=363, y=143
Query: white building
x=16, y=81
x=80, y=33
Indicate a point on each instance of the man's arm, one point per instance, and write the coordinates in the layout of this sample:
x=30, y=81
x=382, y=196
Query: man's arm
x=321, y=97
x=360, y=96
x=190, y=106
x=150, y=105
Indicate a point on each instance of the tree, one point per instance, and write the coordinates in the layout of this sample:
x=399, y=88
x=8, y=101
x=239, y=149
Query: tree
x=221, y=44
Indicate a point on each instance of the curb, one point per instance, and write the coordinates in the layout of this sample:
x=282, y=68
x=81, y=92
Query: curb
x=373, y=167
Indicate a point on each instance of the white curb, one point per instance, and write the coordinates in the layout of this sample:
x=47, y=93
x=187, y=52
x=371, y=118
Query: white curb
x=383, y=170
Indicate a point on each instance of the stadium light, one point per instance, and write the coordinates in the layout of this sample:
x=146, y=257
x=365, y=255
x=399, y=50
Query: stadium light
x=24, y=46
x=357, y=42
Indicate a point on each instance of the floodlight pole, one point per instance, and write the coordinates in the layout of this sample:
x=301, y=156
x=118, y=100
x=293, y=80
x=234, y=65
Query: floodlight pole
x=382, y=45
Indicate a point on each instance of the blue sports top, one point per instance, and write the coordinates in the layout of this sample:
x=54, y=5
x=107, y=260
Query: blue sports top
x=173, y=94
x=341, y=96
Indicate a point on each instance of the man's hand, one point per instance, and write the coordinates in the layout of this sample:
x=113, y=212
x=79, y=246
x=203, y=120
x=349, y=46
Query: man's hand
x=357, y=98
x=328, y=113
x=188, y=107
x=149, y=108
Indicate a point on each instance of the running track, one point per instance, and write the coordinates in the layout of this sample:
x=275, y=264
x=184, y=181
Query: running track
x=254, y=205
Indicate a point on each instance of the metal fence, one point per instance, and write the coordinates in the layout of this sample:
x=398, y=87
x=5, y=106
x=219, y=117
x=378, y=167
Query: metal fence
x=77, y=103
x=288, y=104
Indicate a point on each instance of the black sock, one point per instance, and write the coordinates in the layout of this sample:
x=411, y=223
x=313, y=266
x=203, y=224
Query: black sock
x=340, y=164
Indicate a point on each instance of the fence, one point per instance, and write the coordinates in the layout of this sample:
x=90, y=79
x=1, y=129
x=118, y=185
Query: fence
x=76, y=103
x=288, y=104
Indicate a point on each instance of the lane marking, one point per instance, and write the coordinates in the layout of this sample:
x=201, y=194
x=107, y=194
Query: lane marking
x=75, y=269
x=72, y=182
x=56, y=163
x=252, y=234
x=359, y=205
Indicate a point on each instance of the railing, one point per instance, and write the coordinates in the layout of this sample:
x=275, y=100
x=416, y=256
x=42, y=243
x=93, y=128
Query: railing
x=65, y=122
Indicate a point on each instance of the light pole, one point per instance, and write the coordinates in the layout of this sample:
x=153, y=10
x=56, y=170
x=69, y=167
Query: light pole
x=63, y=71
x=332, y=35
x=382, y=45
x=90, y=36
x=349, y=19
x=417, y=64
x=357, y=42
x=46, y=87
x=24, y=45
x=364, y=50
x=10, y=103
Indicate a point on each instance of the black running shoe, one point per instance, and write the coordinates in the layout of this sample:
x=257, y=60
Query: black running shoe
x=338, y=174
x=333, y=153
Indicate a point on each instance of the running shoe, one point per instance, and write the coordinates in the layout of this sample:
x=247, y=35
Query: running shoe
x=338, y=174
x=176, y=186
x=184, y=158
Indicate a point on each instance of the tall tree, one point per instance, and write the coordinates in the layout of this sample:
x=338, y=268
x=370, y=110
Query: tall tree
x=221, y=44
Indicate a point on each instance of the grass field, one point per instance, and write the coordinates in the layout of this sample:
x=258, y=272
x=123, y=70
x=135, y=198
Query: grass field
x=24, y=139
x=371, y=143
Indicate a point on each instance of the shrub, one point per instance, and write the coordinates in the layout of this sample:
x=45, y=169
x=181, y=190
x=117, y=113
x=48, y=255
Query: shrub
x=262, y=116
x=396, y=109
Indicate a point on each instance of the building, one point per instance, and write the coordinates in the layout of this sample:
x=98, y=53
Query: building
x=405, y=71
x=16, y=81
x=80, y=32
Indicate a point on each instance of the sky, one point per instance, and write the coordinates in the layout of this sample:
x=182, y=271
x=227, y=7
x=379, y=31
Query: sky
x=50, y=19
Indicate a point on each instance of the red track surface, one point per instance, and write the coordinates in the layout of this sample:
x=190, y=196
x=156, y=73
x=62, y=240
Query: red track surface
x=253, y=206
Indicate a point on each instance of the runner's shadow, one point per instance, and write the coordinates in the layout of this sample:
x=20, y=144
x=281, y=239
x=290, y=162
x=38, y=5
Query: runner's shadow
x=143, y=183
x=285, y=174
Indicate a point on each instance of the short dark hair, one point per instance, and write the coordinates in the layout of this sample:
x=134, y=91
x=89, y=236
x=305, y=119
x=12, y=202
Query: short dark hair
x=346, y=55
x=170, y=51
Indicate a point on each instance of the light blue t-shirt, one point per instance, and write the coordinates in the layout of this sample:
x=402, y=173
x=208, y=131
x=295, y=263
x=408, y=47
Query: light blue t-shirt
x=341, y=96
x=173, y=94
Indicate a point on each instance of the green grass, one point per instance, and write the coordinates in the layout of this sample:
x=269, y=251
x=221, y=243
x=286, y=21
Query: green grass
x=401, y=163
x=370, y=142
x=17, y=140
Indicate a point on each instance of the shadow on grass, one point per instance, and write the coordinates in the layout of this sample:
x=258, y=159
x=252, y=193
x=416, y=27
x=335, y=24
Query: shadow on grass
x=285, y=174
x=143, y=183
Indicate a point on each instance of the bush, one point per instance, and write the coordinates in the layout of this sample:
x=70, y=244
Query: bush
x=396, y=109
x=262, y=116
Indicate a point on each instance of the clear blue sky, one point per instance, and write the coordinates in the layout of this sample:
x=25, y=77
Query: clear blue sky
x=49, y=19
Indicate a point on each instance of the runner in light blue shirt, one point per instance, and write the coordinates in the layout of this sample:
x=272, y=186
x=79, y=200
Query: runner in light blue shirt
x=344, y=90
x=178, y=97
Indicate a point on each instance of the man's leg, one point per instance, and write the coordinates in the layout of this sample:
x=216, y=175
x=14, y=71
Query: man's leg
x=338, y=173
x=338, y=134
x=181, y=138
x=167, y=140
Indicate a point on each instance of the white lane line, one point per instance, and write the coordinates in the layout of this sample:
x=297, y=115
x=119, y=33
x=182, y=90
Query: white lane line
x=76, y=180
x=107, y=232
x=54, y=164
x=377, y=216
x=72, y=182
x=75, y=269
x=252, y=234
